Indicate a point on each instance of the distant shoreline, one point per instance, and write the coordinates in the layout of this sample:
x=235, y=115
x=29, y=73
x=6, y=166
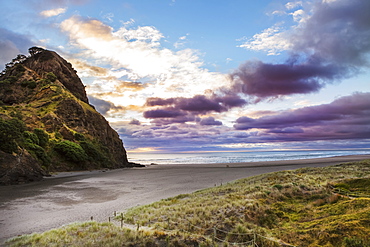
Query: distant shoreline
x=236, y=157
x=76, y=196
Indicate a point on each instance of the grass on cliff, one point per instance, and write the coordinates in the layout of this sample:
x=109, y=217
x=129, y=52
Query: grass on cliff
x=300, y=207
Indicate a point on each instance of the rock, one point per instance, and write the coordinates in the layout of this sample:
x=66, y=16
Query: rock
x=44, y=93
x=20, y=168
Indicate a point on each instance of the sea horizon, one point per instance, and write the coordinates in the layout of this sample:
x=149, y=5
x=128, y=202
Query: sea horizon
x=211, y=157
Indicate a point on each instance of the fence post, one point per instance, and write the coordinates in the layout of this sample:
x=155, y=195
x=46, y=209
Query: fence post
x=121, y=220
x=214, y=236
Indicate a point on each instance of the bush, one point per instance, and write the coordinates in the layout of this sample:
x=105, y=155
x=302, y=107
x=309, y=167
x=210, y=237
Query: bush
x=93, y=152
x=30, y=137
x=10, y=134
x=51, y=77
x=72, y=151
x=79, y=136
x=38, y=152
x=43, y=137
x=29, y=84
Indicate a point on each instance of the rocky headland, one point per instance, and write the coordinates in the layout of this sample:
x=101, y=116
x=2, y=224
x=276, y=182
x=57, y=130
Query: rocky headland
x=47, y=123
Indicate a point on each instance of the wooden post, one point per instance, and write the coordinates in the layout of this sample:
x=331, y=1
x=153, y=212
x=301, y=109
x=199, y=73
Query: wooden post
x=109, y=219
x=92, y=218
x=121, y=220
x=214, y=236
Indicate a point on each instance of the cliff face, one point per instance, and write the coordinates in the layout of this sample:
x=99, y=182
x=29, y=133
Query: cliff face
x=47, y=123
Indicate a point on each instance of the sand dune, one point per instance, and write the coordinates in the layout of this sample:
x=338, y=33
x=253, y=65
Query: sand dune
x=69, y=197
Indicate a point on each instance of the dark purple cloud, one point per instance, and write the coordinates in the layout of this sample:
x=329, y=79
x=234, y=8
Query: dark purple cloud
x=169, y=112
x=179, y=119
x=209, y=121
x=199, y=103
x=155, y=101
x=263, y=80
x=345, y=118
x=182, y=110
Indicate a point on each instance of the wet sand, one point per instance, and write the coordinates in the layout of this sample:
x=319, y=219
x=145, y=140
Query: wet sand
x=69, y=197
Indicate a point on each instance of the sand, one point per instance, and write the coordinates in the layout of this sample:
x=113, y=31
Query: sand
x=69, y=197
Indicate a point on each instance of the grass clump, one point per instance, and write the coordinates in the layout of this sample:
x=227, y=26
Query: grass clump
x=99, y=234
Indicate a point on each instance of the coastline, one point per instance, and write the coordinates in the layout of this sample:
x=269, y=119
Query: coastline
x=69, y=197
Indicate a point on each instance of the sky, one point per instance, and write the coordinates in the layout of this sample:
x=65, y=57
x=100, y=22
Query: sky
x=211, y=75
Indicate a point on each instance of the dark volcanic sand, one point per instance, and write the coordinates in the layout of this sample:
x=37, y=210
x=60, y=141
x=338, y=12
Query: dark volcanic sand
x=71, y=197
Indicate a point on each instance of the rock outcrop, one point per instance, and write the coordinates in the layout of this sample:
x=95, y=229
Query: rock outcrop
x=47, y=123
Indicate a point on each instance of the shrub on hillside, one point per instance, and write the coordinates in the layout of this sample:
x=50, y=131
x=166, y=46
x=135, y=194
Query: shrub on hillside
x=10, y=134
x=30, y=137
x=93, y=152
x=42, y=136
x=71, y=151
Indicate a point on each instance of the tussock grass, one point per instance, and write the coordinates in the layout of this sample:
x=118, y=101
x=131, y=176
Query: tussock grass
x=298, y=207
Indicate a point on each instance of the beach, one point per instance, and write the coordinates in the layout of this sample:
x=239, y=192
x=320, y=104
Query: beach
x=77, y=196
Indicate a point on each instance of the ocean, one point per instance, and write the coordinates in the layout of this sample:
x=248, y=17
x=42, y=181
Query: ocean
x=234, y=157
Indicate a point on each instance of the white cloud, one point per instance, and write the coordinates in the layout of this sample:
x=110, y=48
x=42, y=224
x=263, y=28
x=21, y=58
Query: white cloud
x=53, y=12
x=181, y=42
x=136, y=54
x=293, y=5
x=273, y=40
x=299, y=15
x=109, y=17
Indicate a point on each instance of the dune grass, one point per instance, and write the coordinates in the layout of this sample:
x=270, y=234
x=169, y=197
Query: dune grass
x=300, y=207
x=297, y=207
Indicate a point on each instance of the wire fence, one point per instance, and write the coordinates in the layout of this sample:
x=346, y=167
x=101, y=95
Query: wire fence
x=229, y=238
x=215, y=235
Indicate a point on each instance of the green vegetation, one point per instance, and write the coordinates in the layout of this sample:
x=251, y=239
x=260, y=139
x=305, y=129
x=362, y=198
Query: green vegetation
x=29, y=84
x=10, y=133
x=93, y=152
x=51, y=77
x=71, y=151
x=299, y=207
x=99, y=234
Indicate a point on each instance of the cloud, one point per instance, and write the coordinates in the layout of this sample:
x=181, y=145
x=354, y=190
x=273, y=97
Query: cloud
x=53, y=12
x=103, y=106
x=347, y=117
x=263, y=80
x=209, y=121
x=329, y=45
x=199, y=104
x=341, y=123
x=163, y=113
x=138, y=54
x=12, y=44
x=272, y=40
x=135, y=122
